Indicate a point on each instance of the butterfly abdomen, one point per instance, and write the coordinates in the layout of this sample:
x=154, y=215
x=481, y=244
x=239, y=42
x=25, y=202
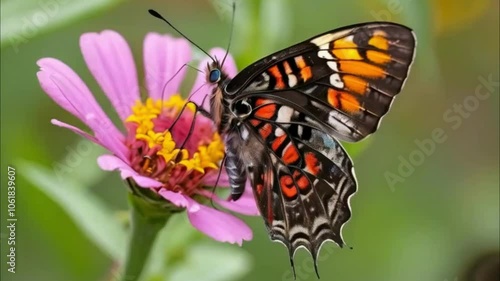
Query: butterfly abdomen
x=235, y=166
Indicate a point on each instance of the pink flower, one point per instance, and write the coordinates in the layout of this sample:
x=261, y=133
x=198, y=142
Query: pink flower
x=152, y=152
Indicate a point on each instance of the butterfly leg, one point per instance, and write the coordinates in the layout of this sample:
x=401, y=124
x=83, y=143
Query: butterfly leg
x=201, y=110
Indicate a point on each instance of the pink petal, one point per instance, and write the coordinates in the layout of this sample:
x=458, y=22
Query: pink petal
x=111, y=162
x=245, y=205
x=164, y=64
x=66, y=88
x=199, y=91
x=180, y=200
x=110, y=61
x=75, y=130
x=220, y=226
x=70, y=93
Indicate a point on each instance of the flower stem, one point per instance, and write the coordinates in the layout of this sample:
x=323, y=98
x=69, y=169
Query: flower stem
x=146, y=221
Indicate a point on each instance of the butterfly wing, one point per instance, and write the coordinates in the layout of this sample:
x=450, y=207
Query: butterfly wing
x=336, y=85
x=304, y=182
x=344, y=80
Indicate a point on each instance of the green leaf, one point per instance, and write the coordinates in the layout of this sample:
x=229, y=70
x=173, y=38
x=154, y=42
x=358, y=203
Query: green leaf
x=212, y=262
x=183, y=253
x=23, y=20
x=87, y=211
x=171, y=246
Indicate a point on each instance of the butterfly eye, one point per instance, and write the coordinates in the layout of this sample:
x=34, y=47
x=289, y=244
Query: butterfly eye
x=242, y=109
x=214, y=76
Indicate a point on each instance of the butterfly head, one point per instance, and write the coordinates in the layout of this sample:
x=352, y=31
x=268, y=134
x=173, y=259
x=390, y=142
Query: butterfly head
x=215, y=74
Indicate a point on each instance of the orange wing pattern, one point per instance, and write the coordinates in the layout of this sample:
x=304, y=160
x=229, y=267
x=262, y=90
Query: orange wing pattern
x=352, y=74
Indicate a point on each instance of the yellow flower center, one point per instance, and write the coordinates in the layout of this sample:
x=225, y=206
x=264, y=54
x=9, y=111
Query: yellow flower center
x=157, y=153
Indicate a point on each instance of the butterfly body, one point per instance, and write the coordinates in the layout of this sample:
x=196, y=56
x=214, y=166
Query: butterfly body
x=282, y=118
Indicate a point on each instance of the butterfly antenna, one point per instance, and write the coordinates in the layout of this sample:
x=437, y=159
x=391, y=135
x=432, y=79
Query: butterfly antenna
x=157, y=15
x=198, y=108
x=230, y=35
x=173, y=77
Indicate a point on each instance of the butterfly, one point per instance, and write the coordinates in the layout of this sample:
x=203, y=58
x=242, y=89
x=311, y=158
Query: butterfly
x=283, y=117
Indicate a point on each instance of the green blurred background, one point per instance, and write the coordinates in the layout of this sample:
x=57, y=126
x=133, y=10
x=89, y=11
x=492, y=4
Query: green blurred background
x=434, y=224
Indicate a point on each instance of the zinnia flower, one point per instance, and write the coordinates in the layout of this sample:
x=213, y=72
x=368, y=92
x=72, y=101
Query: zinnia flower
x=152, y=152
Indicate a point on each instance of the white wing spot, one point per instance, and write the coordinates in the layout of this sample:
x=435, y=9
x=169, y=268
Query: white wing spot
x=336, y=81
x=333, y=65
x=300, y=130
x=327, y=38
x=349, y=38
x=325, y=54
x=323, y=39
x=279, y=132
x=292, y=80
x=266, y=76
x=284, y=114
